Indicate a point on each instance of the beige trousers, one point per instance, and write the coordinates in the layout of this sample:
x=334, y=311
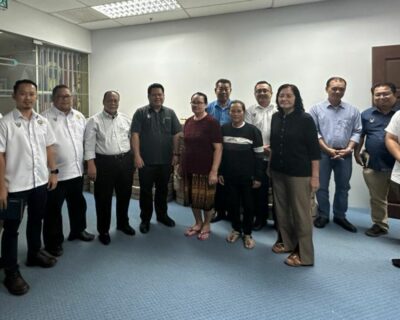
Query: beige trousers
x=378, y=183
x=292, y=197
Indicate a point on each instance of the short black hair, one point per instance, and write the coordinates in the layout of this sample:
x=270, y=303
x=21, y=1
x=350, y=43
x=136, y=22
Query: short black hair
x=23, y=81
x=201, y=94
x=391, y=85
x=239, y=102
x=263, y=82
x=335, y=78
x=108, y=92
x=154, y=86
x=56, y=88
x=223, y=81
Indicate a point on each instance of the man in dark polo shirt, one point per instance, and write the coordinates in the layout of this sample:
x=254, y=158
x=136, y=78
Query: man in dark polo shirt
x=376, y=160
x=155, y=134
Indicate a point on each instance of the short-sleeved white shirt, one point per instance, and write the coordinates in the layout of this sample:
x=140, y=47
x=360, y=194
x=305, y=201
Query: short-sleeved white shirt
x=24, y=142
x=107, y=135
x=394, y=128
x=69, y=130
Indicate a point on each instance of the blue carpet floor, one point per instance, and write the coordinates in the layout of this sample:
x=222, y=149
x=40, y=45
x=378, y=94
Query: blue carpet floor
x=164, y=275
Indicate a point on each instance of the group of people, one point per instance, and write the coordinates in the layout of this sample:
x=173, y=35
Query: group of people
x=230, y=158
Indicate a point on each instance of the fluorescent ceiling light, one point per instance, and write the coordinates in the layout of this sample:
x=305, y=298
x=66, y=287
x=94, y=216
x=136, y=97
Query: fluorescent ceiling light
x=136, y=7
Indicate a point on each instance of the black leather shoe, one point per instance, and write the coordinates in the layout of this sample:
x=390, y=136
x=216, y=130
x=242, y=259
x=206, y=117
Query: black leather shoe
x=345, y=224
x=144, y=227
x=15, y=284
x=83, y=236
x=105, y=239
x=41, y=259
x=127, y=229
x=396, y=262
x=55, y=251
x=375, y=231
x=258, y=225
x=320, y=222
x=167, y=221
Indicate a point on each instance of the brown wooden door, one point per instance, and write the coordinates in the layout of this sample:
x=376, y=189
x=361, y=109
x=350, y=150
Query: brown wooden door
x=386, y=68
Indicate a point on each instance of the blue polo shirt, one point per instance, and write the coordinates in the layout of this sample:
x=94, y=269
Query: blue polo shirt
x=218, y=113
x=374, y=123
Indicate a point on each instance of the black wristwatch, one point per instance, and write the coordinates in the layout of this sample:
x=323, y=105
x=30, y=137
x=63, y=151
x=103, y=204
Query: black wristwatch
x=55, y=171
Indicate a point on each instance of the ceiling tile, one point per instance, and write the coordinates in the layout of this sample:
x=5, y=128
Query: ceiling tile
x=52, y=5
x=152, y=18
x=81, y=15
x=203, y=3
x=102, y=24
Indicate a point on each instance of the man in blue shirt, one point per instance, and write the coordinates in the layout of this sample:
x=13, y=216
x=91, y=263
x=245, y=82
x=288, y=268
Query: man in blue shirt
x=339, y=128
x=376, y=160
x=219, y=110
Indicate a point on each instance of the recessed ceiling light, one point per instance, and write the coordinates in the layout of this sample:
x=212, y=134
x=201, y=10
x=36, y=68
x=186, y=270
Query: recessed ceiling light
x=136, y=7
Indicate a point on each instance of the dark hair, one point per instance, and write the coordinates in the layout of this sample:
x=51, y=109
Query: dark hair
x=201, y=94
x=23, y=81
x=154, y=86
x=109, y=92
x=298, y=101
x=263, y=82
x=223, y=81
x=56, y=88
x=391, y=85
x=335, y=78
x=239, y=102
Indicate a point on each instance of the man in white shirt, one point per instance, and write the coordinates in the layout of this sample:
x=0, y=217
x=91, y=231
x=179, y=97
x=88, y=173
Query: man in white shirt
x=27, y=171
x=260, y=115
x=110, y=164
x=68, y=126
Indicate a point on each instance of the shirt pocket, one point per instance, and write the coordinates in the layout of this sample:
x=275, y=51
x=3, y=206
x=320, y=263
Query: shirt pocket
x=344, y=124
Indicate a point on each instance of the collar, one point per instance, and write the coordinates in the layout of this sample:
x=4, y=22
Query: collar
x=269, y=107
x=150, y=109
x=109, y=116
x=18, y=115
x=393, y=110
x=329, y=106
x=58, y=112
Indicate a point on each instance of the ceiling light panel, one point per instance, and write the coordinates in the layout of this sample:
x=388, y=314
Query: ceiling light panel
x=136, y=7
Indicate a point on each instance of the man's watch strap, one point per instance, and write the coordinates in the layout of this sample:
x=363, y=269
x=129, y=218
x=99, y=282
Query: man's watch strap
x=55, y=171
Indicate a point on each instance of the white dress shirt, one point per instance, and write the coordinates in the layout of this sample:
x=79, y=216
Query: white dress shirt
x=24, y=143
x=69, y=130
x=108, y=135
x=261, y=118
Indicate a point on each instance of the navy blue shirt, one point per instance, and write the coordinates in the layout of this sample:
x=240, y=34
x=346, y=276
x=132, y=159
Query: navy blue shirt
x=374, y=123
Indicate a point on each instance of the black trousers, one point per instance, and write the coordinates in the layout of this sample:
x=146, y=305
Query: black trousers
x=240, y=192
x=72, y=191
x=113, y=173
x=261, y=196
x=158, y=176
x=36, y=200
x=221, y=201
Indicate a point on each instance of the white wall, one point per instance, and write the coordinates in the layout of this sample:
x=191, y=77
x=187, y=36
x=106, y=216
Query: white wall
x=23, y=20
x=303, y=45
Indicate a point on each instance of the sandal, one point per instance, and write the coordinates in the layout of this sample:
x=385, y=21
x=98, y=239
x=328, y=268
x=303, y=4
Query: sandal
x=294, y=261
x=279, y=247
x=233, y=236
x=204, y=235
x=248, y=241
x=191, y=232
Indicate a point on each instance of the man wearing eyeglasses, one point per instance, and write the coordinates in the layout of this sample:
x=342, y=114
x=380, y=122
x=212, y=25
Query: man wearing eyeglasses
x=260, y=115
x=376, y=160
x=68, y=126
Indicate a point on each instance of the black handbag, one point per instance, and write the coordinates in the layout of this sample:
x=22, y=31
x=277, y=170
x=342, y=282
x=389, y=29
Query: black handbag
x=14, y=211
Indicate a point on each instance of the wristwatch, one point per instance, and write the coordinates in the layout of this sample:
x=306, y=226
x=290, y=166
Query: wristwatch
x=55, y=171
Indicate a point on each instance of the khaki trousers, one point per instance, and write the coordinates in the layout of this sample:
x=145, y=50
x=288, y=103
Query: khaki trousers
x=292, y=197
x=378, y=183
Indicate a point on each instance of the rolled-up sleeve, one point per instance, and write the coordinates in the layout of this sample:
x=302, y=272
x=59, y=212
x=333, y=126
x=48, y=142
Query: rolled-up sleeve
x=90, y=139
x=357, y=128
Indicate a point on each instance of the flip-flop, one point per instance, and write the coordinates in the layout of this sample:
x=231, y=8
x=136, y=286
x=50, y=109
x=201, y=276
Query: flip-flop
x=191, y=232
x=204, y=235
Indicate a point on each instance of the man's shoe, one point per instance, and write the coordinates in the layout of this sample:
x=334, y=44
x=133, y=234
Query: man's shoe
x=15, y=284
x=41, y=259
x=345, y=224
x=127, y=229
x=320, y=222
x=376, y=231
x=167, y=221
x=144, y=227
x=258, y=225
x=105, y=239
x=396, y=262
x=56, y=251
x=83, y=236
